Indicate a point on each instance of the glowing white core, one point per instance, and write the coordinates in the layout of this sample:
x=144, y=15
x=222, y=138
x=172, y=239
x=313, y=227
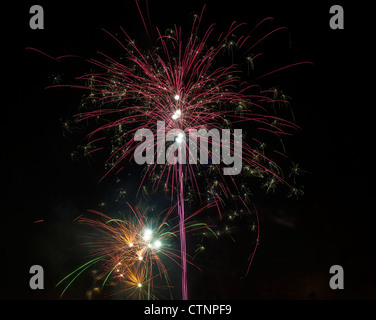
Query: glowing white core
x=157, y=244
x=176, y=115
x=147, y=235
x=179, y=138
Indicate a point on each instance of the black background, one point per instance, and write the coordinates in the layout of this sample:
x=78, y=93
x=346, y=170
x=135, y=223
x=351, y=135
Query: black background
x=333, y=103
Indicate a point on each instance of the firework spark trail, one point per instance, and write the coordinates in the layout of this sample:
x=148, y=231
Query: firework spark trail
x=183, y=245
x=180, y=85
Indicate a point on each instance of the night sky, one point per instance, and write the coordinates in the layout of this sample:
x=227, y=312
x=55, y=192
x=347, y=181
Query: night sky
x=332, y=100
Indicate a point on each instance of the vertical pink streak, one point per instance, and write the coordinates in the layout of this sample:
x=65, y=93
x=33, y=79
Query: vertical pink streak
x=183, y=247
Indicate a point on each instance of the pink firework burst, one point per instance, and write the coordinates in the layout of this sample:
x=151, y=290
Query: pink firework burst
x=183, y=84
